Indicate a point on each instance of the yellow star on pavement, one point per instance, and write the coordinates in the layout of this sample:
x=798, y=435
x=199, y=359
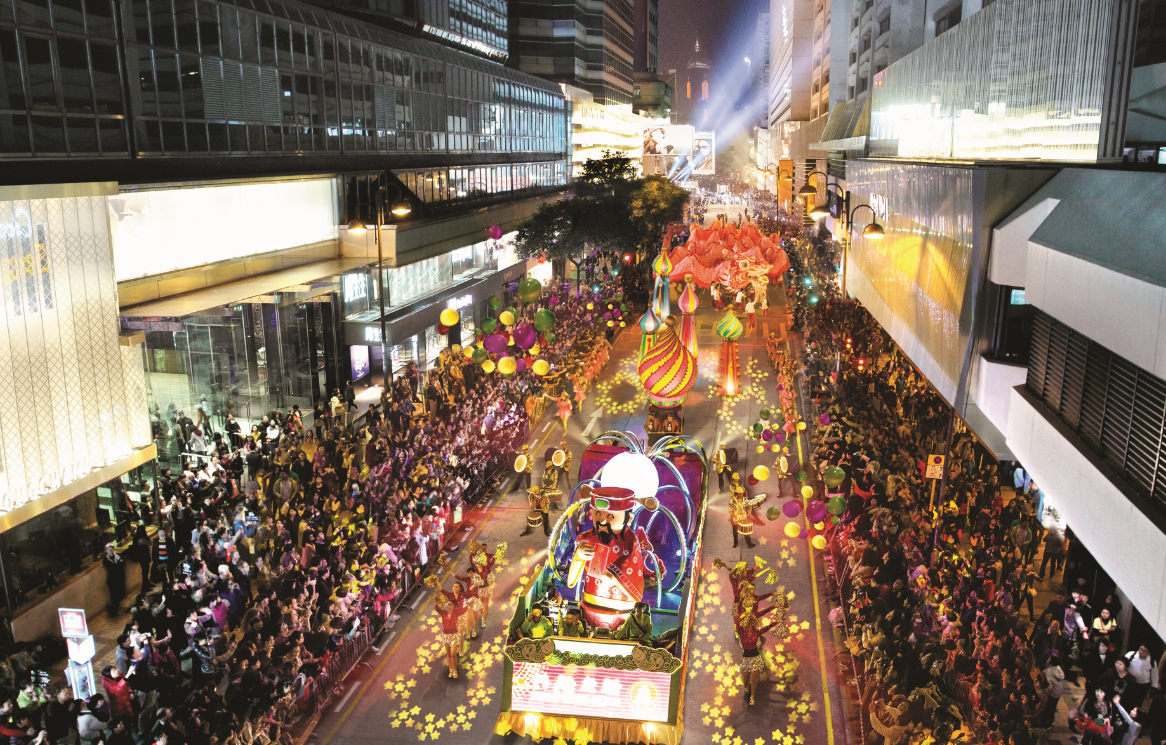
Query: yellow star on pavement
x=395, y=723
x=729, y=731
x=461, y=709
x=706, y=721
x=776, y=735
x=704, y=707
x=421, y=737
x=472, y=714
x=425, y=668
x=410, y=684
x=429, y=728
x=491, y=690
x=434, y=735
x=453, y=728
x=718, y=722
x=715, y=737
x=429, y=717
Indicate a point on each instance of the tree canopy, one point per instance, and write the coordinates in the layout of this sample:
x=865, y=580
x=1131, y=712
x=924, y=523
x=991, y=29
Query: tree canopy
x=611, y=209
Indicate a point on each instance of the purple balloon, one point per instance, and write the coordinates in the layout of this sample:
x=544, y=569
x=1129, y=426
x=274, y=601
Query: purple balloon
x=617, y=313
x=554, y=300
x=804, y=534
x=521, y=364
x=767, y=434
x=779, y=436
x=514, y=287
x=524, y=335
x=496, y=343
x=792, y=508
x=824, y=419
x=607, y=316
x=780, y=386
x=815, y=511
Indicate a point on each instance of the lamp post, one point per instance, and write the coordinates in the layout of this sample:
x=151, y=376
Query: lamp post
x=399, y=208
x=873, y=231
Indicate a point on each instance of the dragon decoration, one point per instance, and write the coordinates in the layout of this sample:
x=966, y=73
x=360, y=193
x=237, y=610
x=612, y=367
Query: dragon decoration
x=730, y=257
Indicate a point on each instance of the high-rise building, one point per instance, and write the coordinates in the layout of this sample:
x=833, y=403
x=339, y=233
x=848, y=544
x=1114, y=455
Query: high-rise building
x=693, y=92
x=584, y=44
x=759, y=70
x=647, y=36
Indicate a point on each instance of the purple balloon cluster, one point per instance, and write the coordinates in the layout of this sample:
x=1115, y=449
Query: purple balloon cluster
x=791, y=509
x=525, y=336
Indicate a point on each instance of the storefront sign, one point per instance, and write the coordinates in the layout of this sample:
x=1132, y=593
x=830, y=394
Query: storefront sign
x=460, y=302
x=834, y=204
x=355, y=287
x=372, y=334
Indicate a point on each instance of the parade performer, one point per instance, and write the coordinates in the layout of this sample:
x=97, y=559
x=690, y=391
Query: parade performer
x=450, y=605
x=741, y=508
x=565, y=468
x=610, y=558
x=526, y=470
x=539, y=514
x=721, y=463
x=471, y=601
x=638, y=626
x=751, y=637
x=565, y=410
x=550, y=485
x=482, y=570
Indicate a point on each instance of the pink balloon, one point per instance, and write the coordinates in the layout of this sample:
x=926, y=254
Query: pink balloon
x=779, y=436
x=815, y=511
x=496, y=343
x=524, y=335
x=521, y=365
x=554, y=300
x=804, y=534
x=792, y=508
x=824, y=419
x=495, y=232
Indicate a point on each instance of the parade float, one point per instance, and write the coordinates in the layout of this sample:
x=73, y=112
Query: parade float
x=630, y=534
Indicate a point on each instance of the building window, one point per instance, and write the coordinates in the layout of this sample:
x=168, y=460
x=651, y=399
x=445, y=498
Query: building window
x=948, y=20
x=885, y=25
x=704, y=90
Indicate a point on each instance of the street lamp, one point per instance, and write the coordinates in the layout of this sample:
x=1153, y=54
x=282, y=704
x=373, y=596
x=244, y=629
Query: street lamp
x=399, y=208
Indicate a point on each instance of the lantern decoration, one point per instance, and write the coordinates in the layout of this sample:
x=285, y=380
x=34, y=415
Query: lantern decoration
x=688, y=305
x=730, y=330
x=662, y=267
x=668, y=371
x=649, y=324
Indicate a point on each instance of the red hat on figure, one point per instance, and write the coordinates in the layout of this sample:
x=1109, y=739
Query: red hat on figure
x=612, y=498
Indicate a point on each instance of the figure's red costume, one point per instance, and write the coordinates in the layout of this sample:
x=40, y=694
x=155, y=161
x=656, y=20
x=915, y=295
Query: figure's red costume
x=614, y=578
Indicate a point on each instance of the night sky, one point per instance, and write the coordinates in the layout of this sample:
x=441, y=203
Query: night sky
x=725, y=26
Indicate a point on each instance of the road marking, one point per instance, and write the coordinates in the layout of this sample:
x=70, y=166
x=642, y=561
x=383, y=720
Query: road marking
x=548, y=424
x=591, y=423
x=418, y=600
x=490, y=504
x=376, y=673
x=344, y=700
x=386, y=644
x=814, y=582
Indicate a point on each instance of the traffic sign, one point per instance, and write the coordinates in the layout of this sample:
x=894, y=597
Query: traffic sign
x=935, y=467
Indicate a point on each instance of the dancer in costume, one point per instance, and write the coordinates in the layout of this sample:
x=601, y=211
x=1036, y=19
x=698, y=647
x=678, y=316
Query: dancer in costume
x=482, y=570
x=450, y=605
x=751, y=637
x=741, y=508
x=565, y=410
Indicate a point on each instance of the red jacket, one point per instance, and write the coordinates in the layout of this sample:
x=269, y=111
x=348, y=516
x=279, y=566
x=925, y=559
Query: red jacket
x=120, y=695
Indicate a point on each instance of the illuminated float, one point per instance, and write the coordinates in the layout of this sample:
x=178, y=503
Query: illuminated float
x=630, y=534
x=667, y=372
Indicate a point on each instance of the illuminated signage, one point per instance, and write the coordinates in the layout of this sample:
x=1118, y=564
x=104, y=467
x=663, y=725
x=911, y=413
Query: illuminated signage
x=584, y=691
x=372, y=334
x=460, y=302
x=73, y=622
x=355, y=287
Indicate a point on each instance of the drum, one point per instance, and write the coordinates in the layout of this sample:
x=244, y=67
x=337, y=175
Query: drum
x=520, y=464
x=745, y=528
x=534, y=518
x=730, y=456
x=558, y=459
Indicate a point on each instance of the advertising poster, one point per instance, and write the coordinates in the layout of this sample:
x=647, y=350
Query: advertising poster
x=704, y=153
x=663, y=146
x=360, y=365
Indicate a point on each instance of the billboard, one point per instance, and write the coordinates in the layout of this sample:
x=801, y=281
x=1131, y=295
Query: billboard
x=668, y=140
x=704, y=153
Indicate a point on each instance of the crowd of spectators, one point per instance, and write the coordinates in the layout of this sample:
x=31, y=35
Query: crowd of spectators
x=937, y=592
x=279, y=551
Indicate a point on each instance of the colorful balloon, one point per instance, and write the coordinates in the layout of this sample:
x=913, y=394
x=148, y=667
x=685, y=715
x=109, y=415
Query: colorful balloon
x=836, y=505
x=816, y=511
x=494, y=303
x=549, y=337
x=541, y=367
x=761, y=473
x=818, y=542
x=488, y=366
x=807, y=492
x=449, y=317
x=544, y=319
x=833, y=476
x=760, y=449
x=801, y=476
x=495, y=232
x=481, y=354
x=792, y=530
x=792, y=508
x=801, y=426
x=496, y=343
x=773, y=513
x=507, y=365
x=765, y=413
x=489, y=325
x=824, y=419
x=529, y=289
x=506, y=318
x=524, y=335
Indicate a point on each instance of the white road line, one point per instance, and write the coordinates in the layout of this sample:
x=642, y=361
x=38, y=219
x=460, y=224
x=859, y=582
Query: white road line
x=344, y=700
x=591, y=423
x=548, y=424
x=387, y=643
x=418, y=600
x=490, y=504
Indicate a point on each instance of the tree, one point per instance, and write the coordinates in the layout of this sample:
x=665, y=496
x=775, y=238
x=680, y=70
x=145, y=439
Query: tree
x=654, y=204
x=613, y=171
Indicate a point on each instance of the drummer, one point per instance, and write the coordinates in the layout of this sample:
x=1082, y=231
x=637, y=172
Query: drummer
x=540, y=506
x=526, y=471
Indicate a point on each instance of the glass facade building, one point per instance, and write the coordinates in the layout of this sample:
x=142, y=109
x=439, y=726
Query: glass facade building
x=254, y=77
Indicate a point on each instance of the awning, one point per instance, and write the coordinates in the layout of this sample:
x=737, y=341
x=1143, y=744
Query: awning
x=234, y=293
x=992, y=438
x=848, y=126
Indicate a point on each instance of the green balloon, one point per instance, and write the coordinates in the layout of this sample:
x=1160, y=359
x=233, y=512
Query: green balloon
x=773, y=513
x=489, y=325
x=495, y=303
x=623, y=306
x=480, y=355
x=836, y=506
x=834, y=519
x=619, y=296
x=529, y=289
x=833, y=476
x=765, y=413
x=544, y=320
x=801, y=476
x=758, y=427
x=513, y=311
x=549, y=336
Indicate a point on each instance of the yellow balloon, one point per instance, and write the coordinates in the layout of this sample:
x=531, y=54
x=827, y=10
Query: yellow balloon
x=818, y=542
x=449, y=317
x=611, y=323
x=622, y=324
x=775, y=448
x=488, y=366
x=761, y=473
x=456, y=348
x=807, y=492
x=819, y=526
x=590, y=306
x=506, y=318
x=468, y=351
x=533, y=350
x=761, y=448
x=801, y=426
x=793, y=530
x=541, y=367
x=507, y=365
